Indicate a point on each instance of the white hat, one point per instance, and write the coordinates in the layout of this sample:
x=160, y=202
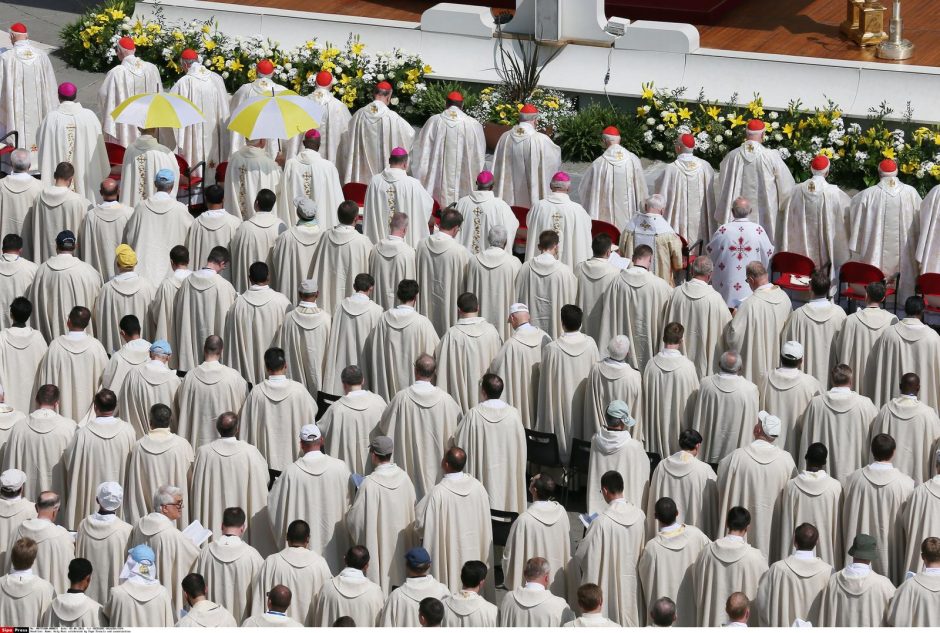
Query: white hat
x=12, y=479
x=110, y=494
x=310, y=433
x=792, y=350
x=770, y=424
x=518, y=307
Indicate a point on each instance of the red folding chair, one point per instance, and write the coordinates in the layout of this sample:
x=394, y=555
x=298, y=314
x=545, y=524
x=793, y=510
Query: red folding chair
x=189, y=182
x=786, y=265
x=355, y=191
x=115, y=158
x=521, y=214
x=688, y=254
x=856, y=275
x=928, y=286
x=220, y=171
x=599, y=226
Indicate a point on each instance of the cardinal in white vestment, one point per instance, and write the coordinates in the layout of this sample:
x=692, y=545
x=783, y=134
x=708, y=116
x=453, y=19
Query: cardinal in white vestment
x=482, y=210
x=614, y=188
x=310, y=174
x=206, y=141
x=250, y=171
x=72, y=134
x=524, y=161
x=759, y=174
x=733, y=246
x=27, y=90
x=262, y=86
x=651, y=228
x=372, y=133
x=688, y=184
x=813, y=220
x=57, y=208
x=336, y=115
x=448, y=152
x=884, y=227
x=18, y=193
x=393, y=190
x=557, y=212
x=144, y=159
x=132, y=76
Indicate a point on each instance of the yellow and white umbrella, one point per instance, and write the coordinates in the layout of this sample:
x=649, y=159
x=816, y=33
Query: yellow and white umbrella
x=282, y=116
x=158, y=109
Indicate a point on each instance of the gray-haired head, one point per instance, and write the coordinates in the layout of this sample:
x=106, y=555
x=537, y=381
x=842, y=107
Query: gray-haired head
x=618, y=347
x=702, y=266
x=730, y=362
x=655, y=204
x=536, y=568
x=166, y=495
x=740, y=208
x=497, y=236
x=20, y=160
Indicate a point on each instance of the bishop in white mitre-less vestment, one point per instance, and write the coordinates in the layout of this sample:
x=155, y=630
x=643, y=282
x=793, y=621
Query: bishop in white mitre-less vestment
x=206, y=141
x=481, y=211
x=759, y=174
x=262, y=86
x=613, y=188
x=558, y=212
x=812, y=221
x=688, y=184
x=310, y=174
x=393, y=190
x=336, y=115
x=524, y=161
x=27, y=90
x=132, y=76
x=448, y=152
x=72, y=134
x=884, y=227
x=144, y=159
x=372, y=133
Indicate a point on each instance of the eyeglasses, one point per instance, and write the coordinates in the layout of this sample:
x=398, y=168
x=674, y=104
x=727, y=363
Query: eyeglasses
x=178, y=505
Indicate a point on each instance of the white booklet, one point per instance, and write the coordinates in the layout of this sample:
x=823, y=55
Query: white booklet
x=196, y=533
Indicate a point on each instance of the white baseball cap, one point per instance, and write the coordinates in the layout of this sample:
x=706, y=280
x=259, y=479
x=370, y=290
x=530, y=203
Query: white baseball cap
x=310, y=433
x=12, y=479
x=792, y=350
x=770, y=423
x=110, y=495
x=518, y=307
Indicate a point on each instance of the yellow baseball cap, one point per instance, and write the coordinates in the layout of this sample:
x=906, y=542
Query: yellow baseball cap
x=125, y=256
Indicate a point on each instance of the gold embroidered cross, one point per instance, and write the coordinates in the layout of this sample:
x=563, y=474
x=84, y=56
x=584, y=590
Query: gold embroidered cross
x=618, y=156
x=812, y=187
x=374, y=108
x=646, y=225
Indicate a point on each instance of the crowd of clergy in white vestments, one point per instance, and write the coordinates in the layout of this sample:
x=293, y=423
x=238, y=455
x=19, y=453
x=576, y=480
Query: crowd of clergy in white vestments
x=280, y=407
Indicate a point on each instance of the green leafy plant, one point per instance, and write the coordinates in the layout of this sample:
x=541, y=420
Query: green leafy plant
x=579, y=135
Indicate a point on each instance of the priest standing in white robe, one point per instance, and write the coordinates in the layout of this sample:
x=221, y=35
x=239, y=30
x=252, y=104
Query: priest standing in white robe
x=27, y=595
x=320, y=487
x=72, y=134
x=441, y=264
x=481, y=211
x=387, y=534
x=861, y=330
x=557, y=212
x=613, y=448
x=103, y=229
x=27, y=90
x=668, y=561
x=350, y=330
x=733, y=247
x=703, y=313
x=17, y=273
x=907, y=346
x=928, y=246
x=530, y=603
x=683, y=477
x=57, y=208
x=393, y=190
x=884, y=227
x=493, y=436
x=524, y=162
x=757, y=323
x=341, y=254
x=304, y=334
x=921, y=517
x=21, y=352
x=400, y=335
x=208, y=140
x=102, y=540
x=18, y=193
x=787, y=392
x=613, y=188
x=688, y=184
x=200, y=612
x=162, y=313
x=391, y=260
x=518, y=363
x=448, y=152
x=669, y=385
x=725, y=566
x=594, y=278
x=230, y=565
x=200, y=306
x=792, y=588
x=466, y=607
x=350, y=592
x=370, y=136
x=294, y=248
x=874, y=500
x=213, y=227
x=132, y=76
x=250, y=171
x=140, y=598
x=350, y=421
x=254, y=239
x=335, y=119
x=757, y=173
x=753, y=477
x=813, y=220
x=915, y=603
x=252, y=324
x=914, y=426
x=275, y=411
x=725, y=409
x=465, y=351
x=158, y=224
x=612, y=378
x=126, y=294
x=857, y=596
x=56, y=545
x=492, y=274
x=566, y=363
x=404, y=605
x=15, y=507
x=635, y=306
x=150, y=384
x=544, y=282
x=816, y=325
x=453, y=521
x=310, y=174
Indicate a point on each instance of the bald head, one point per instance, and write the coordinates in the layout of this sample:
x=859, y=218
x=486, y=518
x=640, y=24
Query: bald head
x=212, y=348
x=109, y=190
x=738, y=607
x=455, y=459
x=740, y=208
x=279, y=598
x=756, y=275
x=227, y=424
x=425, y=367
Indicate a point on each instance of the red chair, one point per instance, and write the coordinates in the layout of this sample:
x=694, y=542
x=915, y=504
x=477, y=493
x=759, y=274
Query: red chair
x=856, y=275
x=688, y=254
x=7, y=149
x=521, y=214
x=115, y=158
x=435, y=219
x=220, y=170
x=788, y=265
x=189, y=182
x=599, y=226
x=355, y=191
x=928, y=285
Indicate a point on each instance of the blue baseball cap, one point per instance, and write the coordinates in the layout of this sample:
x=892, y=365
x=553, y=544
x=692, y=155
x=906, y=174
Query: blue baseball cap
x=65, y=238
x=142, y=553
x=161, y=347
x=165, y=177
x=417, y=557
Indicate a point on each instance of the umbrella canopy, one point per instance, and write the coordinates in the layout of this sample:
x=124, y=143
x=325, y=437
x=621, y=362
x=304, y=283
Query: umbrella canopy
x=158, y=109
x=284, y=115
